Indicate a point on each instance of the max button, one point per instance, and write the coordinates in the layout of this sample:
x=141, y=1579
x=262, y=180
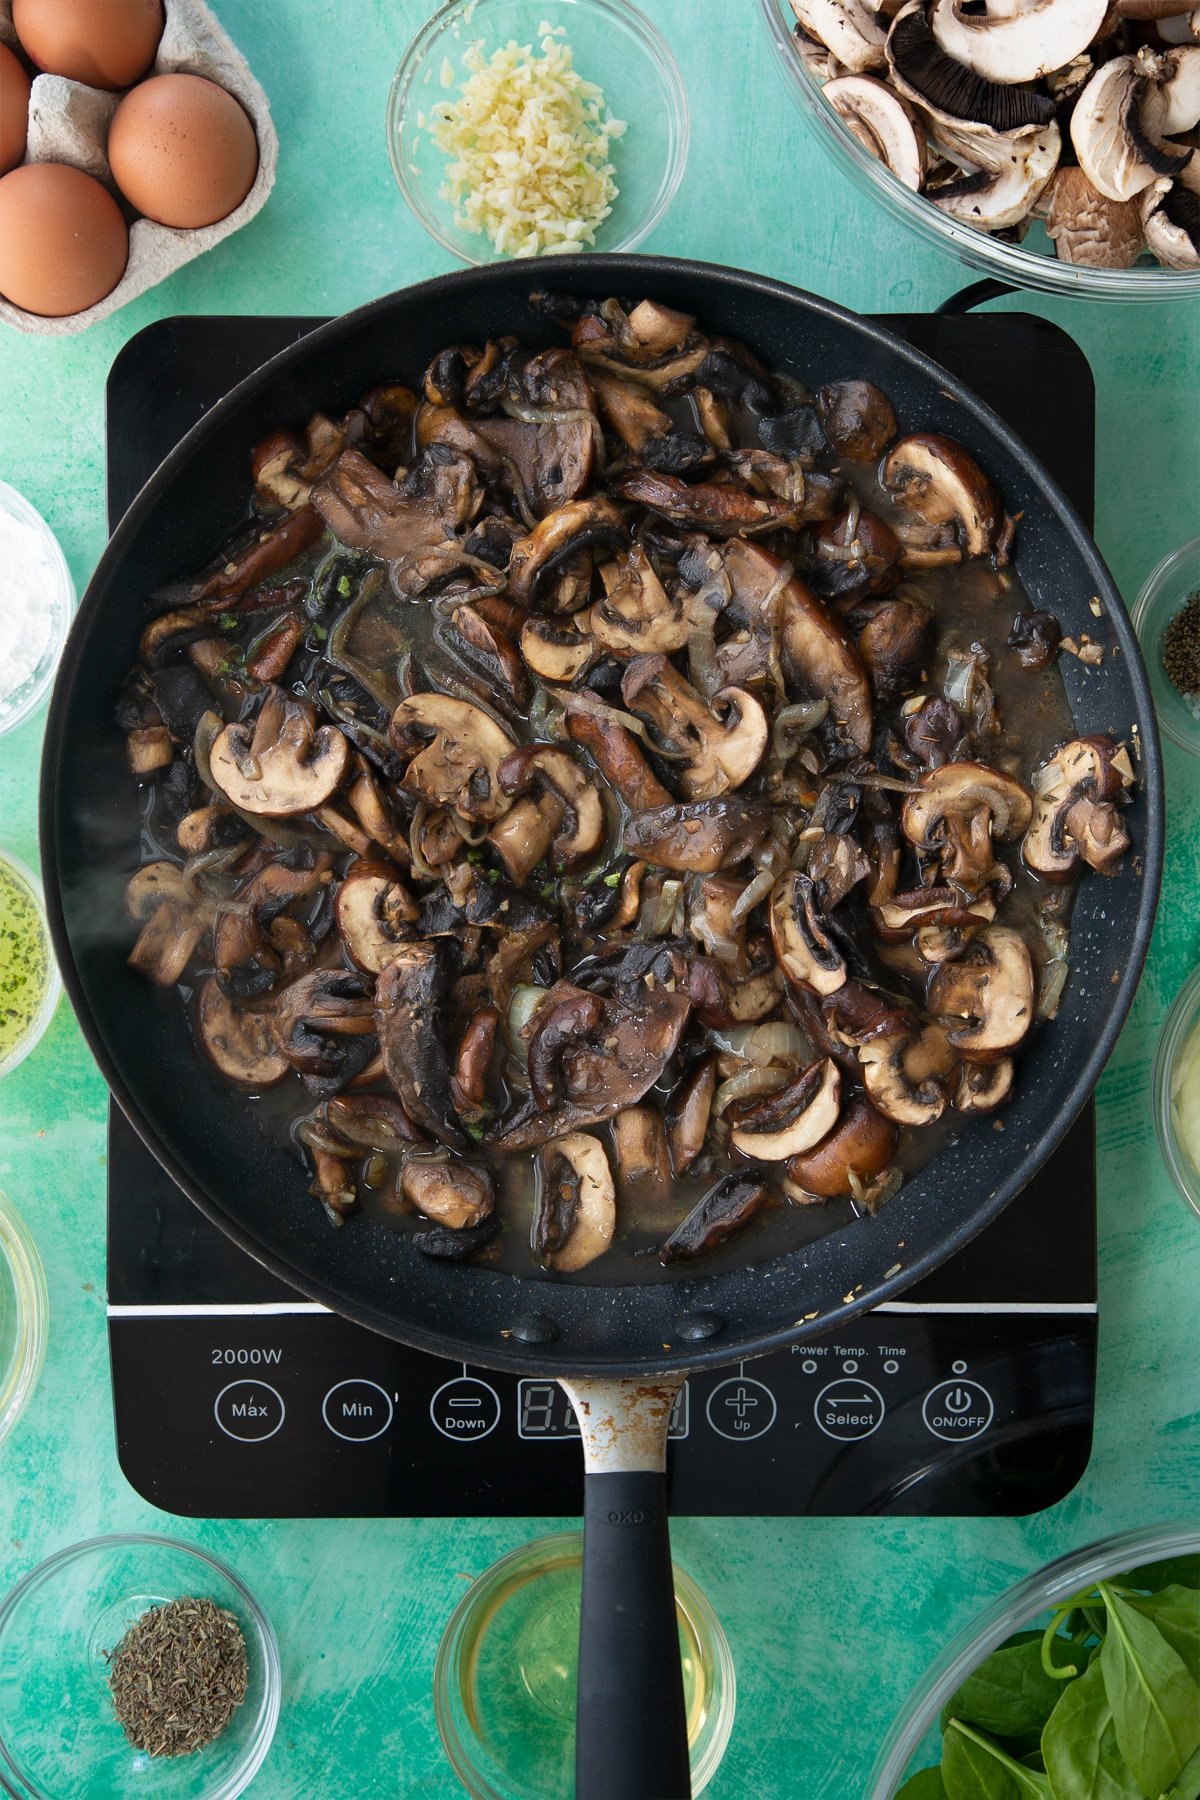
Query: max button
x=465, y=1408
x=957, y=1411
x=251, y=1411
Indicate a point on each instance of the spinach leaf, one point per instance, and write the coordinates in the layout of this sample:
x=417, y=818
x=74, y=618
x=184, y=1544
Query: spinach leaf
x=974, y=1768
x=927, y=1785
x=1187, y=1783
x=1176, y=1612
x=1080, y=1745
x=1155, y=1702
x=1181, y=1570
x=1009, y=1693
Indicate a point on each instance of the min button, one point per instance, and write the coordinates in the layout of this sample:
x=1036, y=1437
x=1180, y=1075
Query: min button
x=357, y=1411
x=957, y=1411
x=251, y=1411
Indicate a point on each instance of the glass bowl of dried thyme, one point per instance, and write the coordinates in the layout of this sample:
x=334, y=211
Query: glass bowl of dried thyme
x=1166, y=617
x=134, y=1664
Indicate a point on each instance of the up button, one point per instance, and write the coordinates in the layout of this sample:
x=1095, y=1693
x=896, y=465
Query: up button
x=957, y=1411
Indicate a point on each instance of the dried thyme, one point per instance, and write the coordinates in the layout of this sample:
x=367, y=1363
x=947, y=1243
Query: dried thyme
x=1181, y=647
x=178, y=1676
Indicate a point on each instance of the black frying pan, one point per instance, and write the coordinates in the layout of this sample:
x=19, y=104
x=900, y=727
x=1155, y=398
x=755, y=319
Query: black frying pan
x=621, y=1349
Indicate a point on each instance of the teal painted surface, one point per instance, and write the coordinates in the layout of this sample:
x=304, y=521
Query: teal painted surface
x=830, y=1622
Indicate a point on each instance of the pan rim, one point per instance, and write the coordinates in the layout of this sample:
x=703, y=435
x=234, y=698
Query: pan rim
x=730, y=1345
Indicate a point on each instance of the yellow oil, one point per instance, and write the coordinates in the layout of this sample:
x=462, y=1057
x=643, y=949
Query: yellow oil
x=24, y=960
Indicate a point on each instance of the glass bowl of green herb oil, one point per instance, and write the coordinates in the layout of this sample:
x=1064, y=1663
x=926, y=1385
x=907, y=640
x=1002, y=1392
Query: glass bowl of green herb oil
x=1166, y=617
x=29, y=981
x=504, y=1681
x=134, y=1665
x=1082, y=1680
x=1176, y=1087
x=23, y=1314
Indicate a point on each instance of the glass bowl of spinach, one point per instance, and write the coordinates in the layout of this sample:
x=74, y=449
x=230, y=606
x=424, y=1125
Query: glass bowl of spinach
x=1081, y=1683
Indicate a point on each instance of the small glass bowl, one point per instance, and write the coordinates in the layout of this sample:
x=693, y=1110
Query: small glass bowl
x=1179, y=1038
x=1021, y=264
x=59, y=1736
x=914, y=1740
x=13, y=869
x=1163, y=593
x=613, y=45
x=504, y=1681
x=59, y=602
x=24, y=1312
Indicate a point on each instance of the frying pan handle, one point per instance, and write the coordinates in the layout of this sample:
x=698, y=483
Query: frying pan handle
x=977, y=294
x=631, y=1722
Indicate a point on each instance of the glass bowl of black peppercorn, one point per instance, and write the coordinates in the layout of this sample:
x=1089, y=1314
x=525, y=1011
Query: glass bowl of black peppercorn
x=134, y=1665
x=1166, y=617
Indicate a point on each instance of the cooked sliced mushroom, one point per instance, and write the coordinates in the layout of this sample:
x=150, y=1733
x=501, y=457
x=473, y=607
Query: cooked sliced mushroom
x=700, y=836
x=1086, y=227
x=898, y=1080
x=1169, y=214
x=1118, y=128
x=897, y=644
x=489, y=650
x=1019, y=40
x=990, y=989
x=324, y=1025
x=172, y=923
x=576, y=821
x=732, y=1203
x=960, y=809
x=458, y=1194
x=807, y=954
x=476, y=1050
x=1075, y=818
x=615, y=752
x=366, y=511
x=629, y=410
x=726, y=510
x=982, y=1087
x=943, y=486
x=562, y=535
x=882, y=122
x=947, y=89
x=793, y=1119
x=576, y=1216
x=284, y=466
x=640, y=1147
x=409, y=997
x=939, y=907
x=688, y=1115
x=270, y=552
x=558, y=649
x=374, y=912
x=849, y=29
x=636, y=614
x=861, y=1144
x=459, y=749
x=250, y=947
x=282, y=763
x=724, y=739
x=240, y=1043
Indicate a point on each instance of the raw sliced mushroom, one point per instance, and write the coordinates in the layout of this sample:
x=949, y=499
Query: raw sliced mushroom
x=374, y=912
x=1169, y=214
x=942, y=485
x=576, y=1216
x=1086, y=227
x=726, y=1208
x=795, y=1118
x=946, y=89
x=849, y=29
x=700, y=836
x=410, y=993
x=985, y=998
x=861, y=1144
x=721, y=741
x=240, y=1043
x=1075, y=817
x=1004, y=176
x=458, y=751
x=1018, y=40
x=457, y=1194
x=883, y=123
x=807, y=955
x=283, y=763
x=960, y=809
x=1117, y=129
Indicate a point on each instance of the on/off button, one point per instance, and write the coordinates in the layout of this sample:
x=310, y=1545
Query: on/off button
x=957, y=1411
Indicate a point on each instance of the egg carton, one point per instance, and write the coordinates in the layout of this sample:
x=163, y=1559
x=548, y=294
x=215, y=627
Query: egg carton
x=68, y=123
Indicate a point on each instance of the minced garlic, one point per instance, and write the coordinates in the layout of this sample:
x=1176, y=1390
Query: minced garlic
x=529, y=142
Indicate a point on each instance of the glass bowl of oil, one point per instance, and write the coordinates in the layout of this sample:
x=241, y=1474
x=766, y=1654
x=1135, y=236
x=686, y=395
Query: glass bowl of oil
x=504, y=1681
x=29, y=980
x=23, y=1314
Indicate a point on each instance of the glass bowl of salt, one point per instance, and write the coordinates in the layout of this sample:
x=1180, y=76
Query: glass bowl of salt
x=37, y=599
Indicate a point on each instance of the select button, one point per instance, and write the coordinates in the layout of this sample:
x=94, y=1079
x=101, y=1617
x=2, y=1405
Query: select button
x=357, y=1411
x=249, y=1410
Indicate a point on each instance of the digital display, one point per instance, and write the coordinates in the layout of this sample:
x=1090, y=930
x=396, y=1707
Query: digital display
x=544, y=1411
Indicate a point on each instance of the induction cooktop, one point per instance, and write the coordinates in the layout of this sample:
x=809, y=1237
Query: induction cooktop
x=234, y=1397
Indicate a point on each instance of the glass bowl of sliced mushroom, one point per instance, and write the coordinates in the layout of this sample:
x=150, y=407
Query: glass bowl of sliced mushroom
x=1052, y=143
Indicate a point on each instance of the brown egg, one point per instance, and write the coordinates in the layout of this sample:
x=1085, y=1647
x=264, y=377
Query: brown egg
x=107, y=43
x=182, y=150
x=63, y=242
x=14, y=110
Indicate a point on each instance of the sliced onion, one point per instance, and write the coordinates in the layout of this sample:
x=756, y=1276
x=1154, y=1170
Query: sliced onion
x=527, y=997
x=1050, y=988
x=662, y=909
x=763, y=1044
x=745, y=1085
x=796, y=721
x=704, y=671
x=757, y=890
x=471, y=835
x=962, y=670
x=419, y=865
